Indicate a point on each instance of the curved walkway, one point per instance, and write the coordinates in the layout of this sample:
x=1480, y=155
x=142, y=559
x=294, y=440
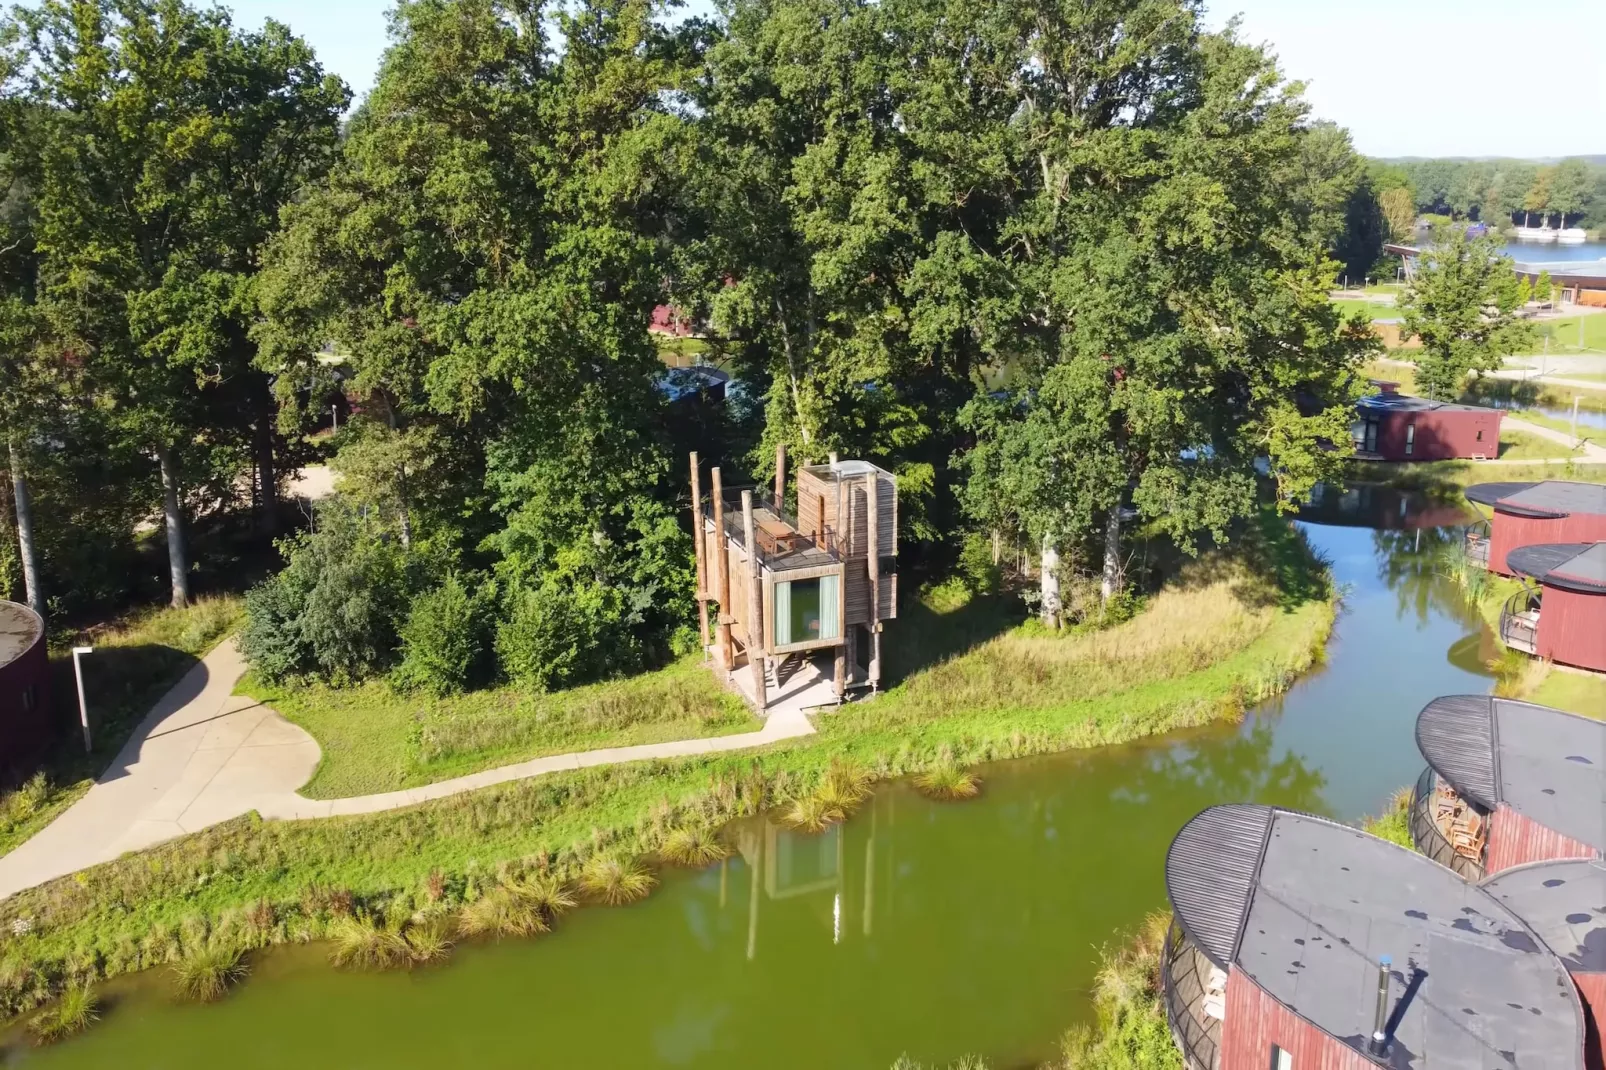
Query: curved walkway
x=205, y=755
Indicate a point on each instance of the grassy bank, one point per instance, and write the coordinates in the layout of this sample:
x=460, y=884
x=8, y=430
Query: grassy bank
x=1448, y=477
x=375, y=738
x=1223, y=635
x=136, y=660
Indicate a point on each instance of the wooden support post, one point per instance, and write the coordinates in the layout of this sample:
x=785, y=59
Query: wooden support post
x=699, y=545
x=840, y=677
x=780, y=475
x=722, y=574
x=872, y=561
x=755, y=604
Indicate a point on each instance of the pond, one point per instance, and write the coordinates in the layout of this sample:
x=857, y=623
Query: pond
x=927, y=928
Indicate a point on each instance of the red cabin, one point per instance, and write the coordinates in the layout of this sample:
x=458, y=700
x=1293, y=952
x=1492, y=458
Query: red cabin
x=1529, y=513
x=1564, y=619
x=24, y=690
x=1300, y=942
x=1562, y=901
x=1390, y=426
x=1508, y=783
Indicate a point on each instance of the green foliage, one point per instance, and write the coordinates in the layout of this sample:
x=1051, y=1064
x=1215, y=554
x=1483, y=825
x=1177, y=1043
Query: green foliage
x=946, y=780
x=615, y=880
x=1394, y=823
x=205, y=975
x=1399, y=209
x=76, y=1010
x=1463, y=303
x=444, y=642
x=362, y=942
x=1131, y=1031
x=693, y=845
x=557, y=635
x=981, y=574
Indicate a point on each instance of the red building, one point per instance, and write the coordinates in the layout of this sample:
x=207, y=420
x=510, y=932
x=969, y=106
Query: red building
x=25, y=724
x=1565, y=619
x=1302, y=943
x=1508, y=783
x=1390, y=426
x=1530, y=513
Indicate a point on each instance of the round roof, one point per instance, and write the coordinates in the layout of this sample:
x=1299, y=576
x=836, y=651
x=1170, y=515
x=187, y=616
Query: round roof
x=1577, y=566
x=20, y=629
x=1561, y=900
x=1489, y=493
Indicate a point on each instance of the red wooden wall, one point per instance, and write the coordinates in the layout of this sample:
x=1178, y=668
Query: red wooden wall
x=1440, y=435
x=25, y=710
x=1572, y=628
x=1507, y=532
x=1514, y=840
x=1255, y=1021
x=1592, y=990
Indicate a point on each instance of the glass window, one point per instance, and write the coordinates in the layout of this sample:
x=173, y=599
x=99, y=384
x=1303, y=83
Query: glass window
x=807, y=610
x=1410, y=438
x=1280, y=1059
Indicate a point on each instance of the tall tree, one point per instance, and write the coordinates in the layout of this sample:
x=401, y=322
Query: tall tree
x=1399, y=208
x=170, y=140
x=1463, y=303
x=1537, y=198
x=1569, y=189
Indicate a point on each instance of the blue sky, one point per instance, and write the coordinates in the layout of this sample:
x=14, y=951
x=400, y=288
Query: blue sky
x=1407, y=77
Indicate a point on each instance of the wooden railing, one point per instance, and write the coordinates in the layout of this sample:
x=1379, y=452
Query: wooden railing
x=1519, y=621
x=1427, y=835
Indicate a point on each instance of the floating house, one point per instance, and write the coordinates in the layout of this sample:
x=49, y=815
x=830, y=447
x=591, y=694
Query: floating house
x=1563, y=903
x=1525, y=514
x=793, y=593
x=1507, y=783
x=25, y=725
x=1563, y=617
x=1302, y=943
x=1390, y=426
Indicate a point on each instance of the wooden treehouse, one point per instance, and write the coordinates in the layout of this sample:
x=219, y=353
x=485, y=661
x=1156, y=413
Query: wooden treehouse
x=797, y=598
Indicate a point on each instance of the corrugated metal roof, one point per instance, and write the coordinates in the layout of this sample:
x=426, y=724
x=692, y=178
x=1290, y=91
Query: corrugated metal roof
x=20, y=628
x=1578, y=566
x=1455, y=734
x=1210, y=874
x=1556, y=497
x=1489, y=493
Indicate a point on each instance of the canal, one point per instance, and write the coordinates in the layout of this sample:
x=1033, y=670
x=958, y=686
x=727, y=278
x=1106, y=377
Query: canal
x=923, y=928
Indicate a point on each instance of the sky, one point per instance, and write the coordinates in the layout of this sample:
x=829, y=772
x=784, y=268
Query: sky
x=1406, y=77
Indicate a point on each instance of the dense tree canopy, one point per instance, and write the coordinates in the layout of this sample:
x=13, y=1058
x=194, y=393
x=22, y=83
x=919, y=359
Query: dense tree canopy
x=1463, y=303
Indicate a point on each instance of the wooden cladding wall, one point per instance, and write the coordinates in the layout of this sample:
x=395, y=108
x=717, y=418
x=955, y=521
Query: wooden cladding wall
x=858, y=593
x=1514, y=840
x=740, y=581
x=1255, y=1021
x=1572, y=628
x=817, y=510
x=1592, y=990
x=1508, y=531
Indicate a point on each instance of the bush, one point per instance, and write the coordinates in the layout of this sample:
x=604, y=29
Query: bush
x=443, y=641
x=558, y=635
x=976, y=565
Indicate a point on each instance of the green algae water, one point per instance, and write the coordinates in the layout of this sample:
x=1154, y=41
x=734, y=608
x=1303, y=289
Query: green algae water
x=932, y=929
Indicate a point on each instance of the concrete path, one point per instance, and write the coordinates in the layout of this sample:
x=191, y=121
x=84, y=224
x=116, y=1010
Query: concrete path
x=1589, y=452
x=205, y=755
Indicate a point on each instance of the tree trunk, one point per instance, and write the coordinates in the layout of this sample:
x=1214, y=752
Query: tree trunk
x=267, y=479
x=1049, y=583
x=26, y=542
x=1111, y=582
x=177, y=566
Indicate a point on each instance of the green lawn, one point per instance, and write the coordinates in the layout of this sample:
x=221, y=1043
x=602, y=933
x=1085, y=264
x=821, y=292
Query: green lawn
x=1573, y=691
x=377, y=739
x=1521, y=446
x=1369, y=309
x=1565, y=335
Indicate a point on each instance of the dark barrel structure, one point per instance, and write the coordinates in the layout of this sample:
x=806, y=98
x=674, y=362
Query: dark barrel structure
x=25, y=725
x=1526, y=514
x=1564, y=620
x=1390, y=426
x=1565, y=903
x=1281, y=922
x=1508, y=783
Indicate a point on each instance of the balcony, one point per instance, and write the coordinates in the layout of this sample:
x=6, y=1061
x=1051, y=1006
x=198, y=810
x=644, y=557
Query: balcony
x=1519, y=621
x=1478, y=544
x=1437, y=815
x=781, y=545
x=1194, y=989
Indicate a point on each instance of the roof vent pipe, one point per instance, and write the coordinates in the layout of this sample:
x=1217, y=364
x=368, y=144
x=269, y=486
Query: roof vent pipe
x=1380, y=1039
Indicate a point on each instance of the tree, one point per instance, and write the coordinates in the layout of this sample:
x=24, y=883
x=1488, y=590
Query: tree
x=1569, y=189
x=1400, y=211
x=1463, y=303
x=1539, y=194
x=169, y=142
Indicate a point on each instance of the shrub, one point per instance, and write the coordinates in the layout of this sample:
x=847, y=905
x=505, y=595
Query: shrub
x=976, y=565
x=811, y=813
x=205, y=975
x=694, y=845
x=503, y=912
x=443, y=641
x=946, y=780
x=614, y=880
x=76, y=1010
x=561, y=634
x=362, y=943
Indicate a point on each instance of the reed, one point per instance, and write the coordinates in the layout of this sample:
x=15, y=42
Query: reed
x=206, y=975
x=693, y=845
x=948, y=781
x=361, y=943
x=846, y=784
x=429, y=940
x=503, y=912
x=76, y=1010
x=614, y=880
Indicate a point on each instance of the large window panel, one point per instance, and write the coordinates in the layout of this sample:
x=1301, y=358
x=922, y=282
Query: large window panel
x=807, y=611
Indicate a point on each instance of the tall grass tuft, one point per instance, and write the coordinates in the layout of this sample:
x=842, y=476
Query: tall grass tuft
x=361, y=943
x=614, y=880
x=1131, y=1031
x=846, y=784
x=947, y=781
x=693, y=845
x=76, y=1010
x=206, y=975
x=1518, y=675
x=811, y=813
x=1457, y=563
x=429, y=939
x=502, y=911
x=1394, y=823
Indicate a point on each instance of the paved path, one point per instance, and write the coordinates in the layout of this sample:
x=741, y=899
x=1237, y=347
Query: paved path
x=1590, y=452
x=205, y=755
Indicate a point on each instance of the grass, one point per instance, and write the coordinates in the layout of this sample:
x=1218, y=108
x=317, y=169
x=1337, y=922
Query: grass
x=136, y=660
x=517, y=908
x=1522, y=446
x=1394, y=823
x=1131, y=1031
x=947, y=781
x=693, y=845
x=204, y=976
x=375, y=738
x=1577, y=692
x=1372, y=310
x=76, y=1010
x=362, y=942
x=1224, y=634
x=1439, y=476
x=1564, y=335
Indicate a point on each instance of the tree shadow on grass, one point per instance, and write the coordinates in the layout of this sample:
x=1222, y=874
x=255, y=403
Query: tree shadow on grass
x=923, y=635
x=122, y=684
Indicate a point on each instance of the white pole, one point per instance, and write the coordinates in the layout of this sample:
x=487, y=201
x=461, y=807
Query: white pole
x=83, y=708
x=1575, y=421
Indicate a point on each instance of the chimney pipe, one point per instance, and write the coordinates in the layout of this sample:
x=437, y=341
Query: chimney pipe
x=1380, y=1040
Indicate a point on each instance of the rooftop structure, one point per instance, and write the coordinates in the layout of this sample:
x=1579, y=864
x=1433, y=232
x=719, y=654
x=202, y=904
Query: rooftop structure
x=1508, y=782
x=1391, y=426
x=1282, y=922
x=1525, y=514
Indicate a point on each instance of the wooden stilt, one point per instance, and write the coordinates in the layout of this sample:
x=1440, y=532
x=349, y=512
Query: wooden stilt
x=722, y=574
x=755, y=604
x=698, y=544
x=872, y=560
x=840, y=681
x=780, y=475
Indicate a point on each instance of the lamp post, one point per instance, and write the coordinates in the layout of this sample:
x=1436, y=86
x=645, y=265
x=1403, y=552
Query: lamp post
x=83, y=709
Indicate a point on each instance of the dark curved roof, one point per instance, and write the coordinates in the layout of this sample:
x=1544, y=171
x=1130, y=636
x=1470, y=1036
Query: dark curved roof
x=1564, y=901
x=1544, y=763
x=20, y=629
x=1576, y=566
x=1308, y=907
x=1554, y=498
x=1489, y=493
